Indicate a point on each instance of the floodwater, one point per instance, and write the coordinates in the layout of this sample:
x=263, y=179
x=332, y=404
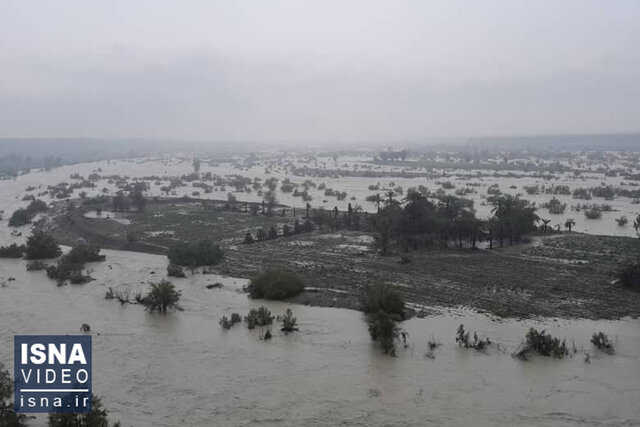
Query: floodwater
x=11, y=192
x=183, y=368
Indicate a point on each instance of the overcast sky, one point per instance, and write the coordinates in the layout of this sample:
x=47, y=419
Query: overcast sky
x=323, y=70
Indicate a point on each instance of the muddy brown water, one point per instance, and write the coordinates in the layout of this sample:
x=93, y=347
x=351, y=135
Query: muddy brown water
x=183, y=368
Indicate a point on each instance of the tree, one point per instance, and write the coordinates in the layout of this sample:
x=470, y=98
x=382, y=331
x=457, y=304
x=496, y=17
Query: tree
x=196, y=165
x=41, y=245
x=162, y=297
x=569, y=223
x=375, y=199
x=545, y=225
x=270, y=201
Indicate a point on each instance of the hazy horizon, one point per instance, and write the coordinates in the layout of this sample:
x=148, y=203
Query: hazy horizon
x=332, y=71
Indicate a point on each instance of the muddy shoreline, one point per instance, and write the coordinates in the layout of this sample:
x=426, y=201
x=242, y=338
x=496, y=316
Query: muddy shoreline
x=510, y=282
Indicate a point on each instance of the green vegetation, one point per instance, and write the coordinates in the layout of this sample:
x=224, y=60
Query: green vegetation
x=69, y=267
x=175, y=271
x=23, y=216
x=8, y=417
x=432, y=219
x=288, y=322
x=543, y=344
x=382, y=305
x=161, y=297
x=228, y=323
x=12, y=251
x=41, y=245
x=383, y=297
x=258, y=317
x=275, y=284
x=463, y=340
x=96, y=418
x=197, y=254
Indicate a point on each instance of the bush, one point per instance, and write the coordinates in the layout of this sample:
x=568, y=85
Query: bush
x=23, y=216
x=162, y=297
x=175, y=271
x=41, y=245
x=602, y=342
x=36, y=265
x=383, y=330
x=12, y=251
x=203, y=252
x=462, y=338
x=276, y=285
x=543, y=344
x=19, y=218
x=288, y=322
x=258, y=317
x=82, y=253
x=228, y=323
x=65, y=271
x=383, y=297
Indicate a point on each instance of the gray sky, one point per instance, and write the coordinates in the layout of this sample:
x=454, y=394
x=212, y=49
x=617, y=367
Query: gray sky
x=322, y=70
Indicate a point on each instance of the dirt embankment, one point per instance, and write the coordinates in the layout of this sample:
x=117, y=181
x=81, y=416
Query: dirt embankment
x=513, y=282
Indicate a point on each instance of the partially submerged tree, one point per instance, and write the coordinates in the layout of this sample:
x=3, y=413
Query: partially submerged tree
x=41, y=245
x=161, y=297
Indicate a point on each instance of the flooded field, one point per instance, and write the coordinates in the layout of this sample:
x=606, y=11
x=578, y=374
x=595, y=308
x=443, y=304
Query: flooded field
x=183, y=368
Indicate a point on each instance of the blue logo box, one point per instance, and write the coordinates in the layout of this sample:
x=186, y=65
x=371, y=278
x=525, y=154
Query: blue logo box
x=52, y=373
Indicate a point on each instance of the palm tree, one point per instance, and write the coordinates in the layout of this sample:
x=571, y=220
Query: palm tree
x=376, y=199
x=545, y=225
x=569, y=223
x=636, y=225
x=162, y=296
x=390, y=195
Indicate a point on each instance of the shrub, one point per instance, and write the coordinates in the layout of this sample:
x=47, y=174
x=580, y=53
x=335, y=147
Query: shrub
x=602, y=342
x=228, y=323
x=462, y=338
x=162, y=297
x=41, y=245
x=593, y=213
x=64, y=271
x=19, y=218
x=543, y=344
x=383, y=330
x=258, y=317
x=288, y=322
x=82, y=253
x=275, y=284
x=383, y=297
x=12, y=251
x=203, y=252
x=23, y=216
x=175, y=271
x=36, y=265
